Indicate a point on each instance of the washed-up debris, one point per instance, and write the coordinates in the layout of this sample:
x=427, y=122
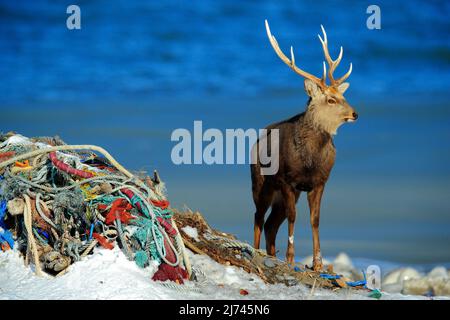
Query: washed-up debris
x=376, y=294
x=243, y=292
x=58, y=202
x=227, y=250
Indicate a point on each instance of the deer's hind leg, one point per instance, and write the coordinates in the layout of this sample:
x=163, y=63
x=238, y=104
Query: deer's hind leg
x=273, y=223
x=263, y=199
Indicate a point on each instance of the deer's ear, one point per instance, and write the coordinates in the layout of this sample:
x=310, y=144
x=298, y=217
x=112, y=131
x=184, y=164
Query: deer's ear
x=312, y=89
x=343, y=87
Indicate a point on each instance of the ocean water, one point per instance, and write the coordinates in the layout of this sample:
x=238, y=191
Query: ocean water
x=138, y=70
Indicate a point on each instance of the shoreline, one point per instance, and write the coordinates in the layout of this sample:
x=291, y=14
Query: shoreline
x=113, y=273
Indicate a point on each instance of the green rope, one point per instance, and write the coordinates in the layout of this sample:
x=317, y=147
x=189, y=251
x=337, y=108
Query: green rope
x=144, y=236
x=145, y=225
x=141, y=258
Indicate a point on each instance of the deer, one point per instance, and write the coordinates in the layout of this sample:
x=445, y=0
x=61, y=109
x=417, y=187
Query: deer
x=306, y=154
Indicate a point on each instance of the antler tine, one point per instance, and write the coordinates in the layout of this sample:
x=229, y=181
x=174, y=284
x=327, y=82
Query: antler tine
x=345, y=76
x=324, y=71
x=332, y=63
x=291, y=62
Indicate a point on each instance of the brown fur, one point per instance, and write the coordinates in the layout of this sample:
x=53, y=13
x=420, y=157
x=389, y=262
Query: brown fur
x=306, y=157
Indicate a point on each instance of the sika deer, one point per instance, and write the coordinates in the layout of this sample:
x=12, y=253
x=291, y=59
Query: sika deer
x=306, y=155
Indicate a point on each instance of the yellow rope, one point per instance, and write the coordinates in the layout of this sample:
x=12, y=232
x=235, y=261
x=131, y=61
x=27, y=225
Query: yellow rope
x=108, y=156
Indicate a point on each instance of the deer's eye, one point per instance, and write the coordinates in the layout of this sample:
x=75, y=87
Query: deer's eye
x=331, y=101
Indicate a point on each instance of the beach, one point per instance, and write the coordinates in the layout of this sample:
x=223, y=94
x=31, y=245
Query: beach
x=136, y=72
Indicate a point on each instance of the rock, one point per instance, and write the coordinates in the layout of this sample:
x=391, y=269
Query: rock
x=442, y=287
x=400, y=275
x=416, y=287
x=308, y=261
x=343, y=260
x=435, y=286
x=438, y=272
x=409, y=281
x=344, y=266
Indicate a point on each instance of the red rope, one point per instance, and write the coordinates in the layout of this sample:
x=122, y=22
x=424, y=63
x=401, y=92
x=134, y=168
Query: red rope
x=119, y=210
x=5, y=155
x=102, y=240
x=163, y=204
x=66, y=168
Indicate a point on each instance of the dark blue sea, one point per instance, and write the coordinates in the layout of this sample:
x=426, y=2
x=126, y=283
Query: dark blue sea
x=137, y=70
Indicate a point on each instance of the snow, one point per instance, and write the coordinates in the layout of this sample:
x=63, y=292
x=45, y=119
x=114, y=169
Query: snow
x=191, y=232
x=107, y=274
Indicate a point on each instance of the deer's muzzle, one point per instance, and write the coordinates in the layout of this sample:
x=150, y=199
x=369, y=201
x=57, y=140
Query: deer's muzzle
x=352, y=118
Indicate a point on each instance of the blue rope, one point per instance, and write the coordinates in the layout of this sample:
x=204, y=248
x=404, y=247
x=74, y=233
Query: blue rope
x=349, y=283
x=5, y=235
x=2, y=213
x=91, y=231
x=360, y=282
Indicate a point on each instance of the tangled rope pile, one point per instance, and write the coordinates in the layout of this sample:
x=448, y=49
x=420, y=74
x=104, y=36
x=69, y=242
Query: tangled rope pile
x=58, y=202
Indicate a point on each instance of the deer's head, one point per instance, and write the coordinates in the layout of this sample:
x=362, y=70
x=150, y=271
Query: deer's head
x=327, y=107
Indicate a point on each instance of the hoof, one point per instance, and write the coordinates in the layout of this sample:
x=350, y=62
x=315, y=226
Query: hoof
x=290, y=260
x=318, y=266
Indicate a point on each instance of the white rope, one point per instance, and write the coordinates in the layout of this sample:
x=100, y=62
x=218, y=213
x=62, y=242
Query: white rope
x=180, y=244
x=136, y=181
x=31, y=241
x=42, y=214
x=69, y=147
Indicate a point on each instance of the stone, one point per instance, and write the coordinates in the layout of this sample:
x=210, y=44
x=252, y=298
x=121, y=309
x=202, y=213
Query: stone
x=400, y=275
x=438, y=272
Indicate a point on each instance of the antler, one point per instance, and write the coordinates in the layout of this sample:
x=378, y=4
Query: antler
x=291, y=62
x=333, y=63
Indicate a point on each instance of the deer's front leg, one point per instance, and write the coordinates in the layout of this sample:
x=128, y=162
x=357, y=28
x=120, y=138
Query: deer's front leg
x=314, y=199
x=289, y=196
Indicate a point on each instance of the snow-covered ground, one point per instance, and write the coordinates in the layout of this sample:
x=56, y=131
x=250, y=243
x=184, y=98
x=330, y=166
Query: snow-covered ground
x=107, y=274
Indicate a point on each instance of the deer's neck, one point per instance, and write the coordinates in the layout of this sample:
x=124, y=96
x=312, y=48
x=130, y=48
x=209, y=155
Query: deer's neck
x=311, y=135
x=313, y=123
x=317, y=120
x=312, y=142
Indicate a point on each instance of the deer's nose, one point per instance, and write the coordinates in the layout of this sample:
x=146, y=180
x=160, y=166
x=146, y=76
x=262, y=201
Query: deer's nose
x=355, y=115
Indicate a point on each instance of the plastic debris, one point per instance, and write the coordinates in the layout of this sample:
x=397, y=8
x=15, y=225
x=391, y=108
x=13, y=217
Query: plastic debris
x=376, y=294
x=243, y=292
x=59, y=202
